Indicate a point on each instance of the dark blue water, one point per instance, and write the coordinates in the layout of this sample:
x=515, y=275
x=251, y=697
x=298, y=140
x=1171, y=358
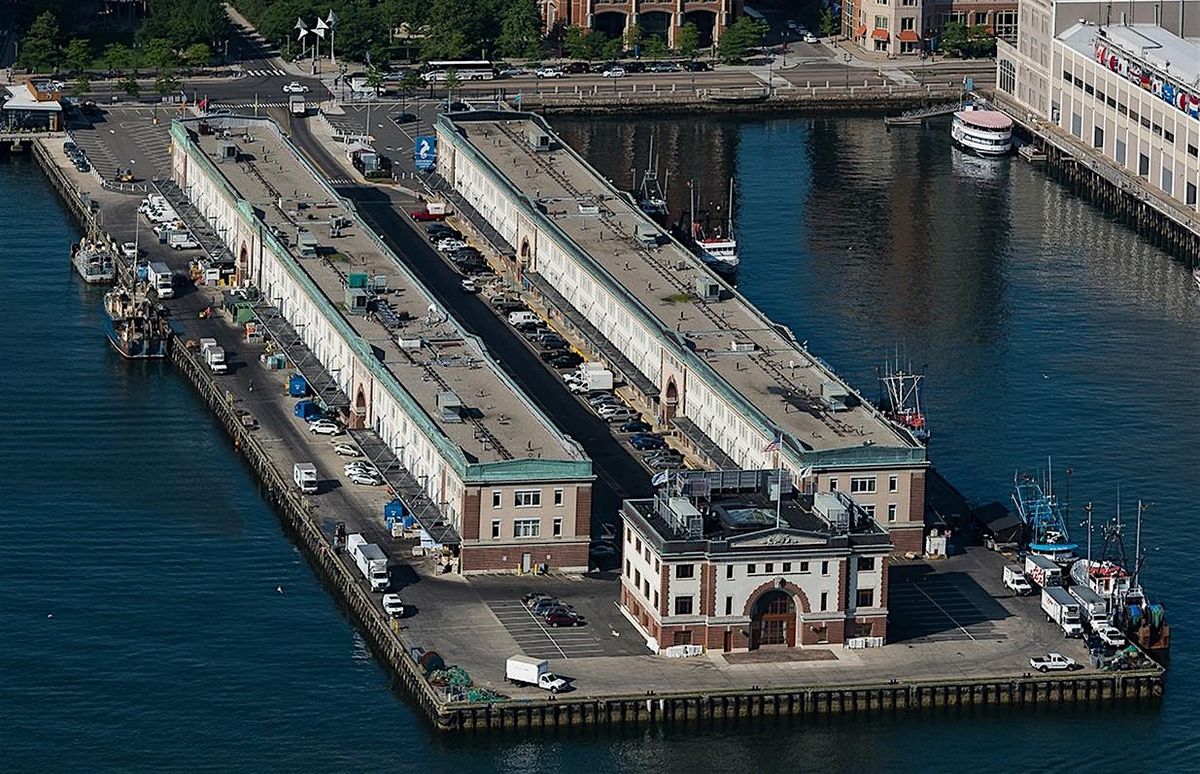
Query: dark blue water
x=140, y=628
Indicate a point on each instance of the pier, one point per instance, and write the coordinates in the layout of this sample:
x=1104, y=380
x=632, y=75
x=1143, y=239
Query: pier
x=623, y=685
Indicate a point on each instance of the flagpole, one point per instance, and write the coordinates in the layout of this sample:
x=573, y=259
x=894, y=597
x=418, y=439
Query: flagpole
x=779, y=490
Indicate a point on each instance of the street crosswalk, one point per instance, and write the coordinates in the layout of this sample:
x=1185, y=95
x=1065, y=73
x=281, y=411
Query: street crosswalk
x=250, y=104
x=340, y=181
x=267, y=73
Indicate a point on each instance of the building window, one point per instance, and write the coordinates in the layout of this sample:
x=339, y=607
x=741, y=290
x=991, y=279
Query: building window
x=1168, y=135
x=1077, y=125
x=862, y=485
x=1006, y=25
x=1143, y=165
x=558, y=498
x=769, y=568
x=1133, y=114
x=628, y=535
x=751, y=569
x=881, y=22
x=523, y=528
x=729, y=571
x=626, y=568
x=637, y=546
x=557, y=526
x=1122, y=109
x=824, y=568
x=496, y=498
x=1156, y=129
x=869, y=509
x=833, y=485
x=1099, y=95
x=646, y=589
x=824, y=601
x=647, y=554
x=893, y=483
x=1191, y=195
x=1193, y=151
x=656, y=566
x=804, y=567
x=728, y=605
x=908, y=23
x=1168, y=180
x=685, y=571
x=980, y=18
x=1110, y=101
x=656, y=600
x=866, y=598
x=495, y=529
x=683, y=605
x=866, y=563
x=787, y=566
x=1008, y=76
x=1119, y=152
x=1067, y=76
x=637, y=579
x=1097, y=137
x=908, y=3
x=1087, y=89
x=891, y=512
x=527, y=498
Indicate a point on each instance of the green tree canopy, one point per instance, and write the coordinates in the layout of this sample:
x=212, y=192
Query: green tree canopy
x=39, y=44
x=742, y=36
x=197, y=55
x=520, y=31
x=130, y=86
x=118, y=56
x=157, y=53
x=453, y=82
x=166, y=84
x=78, y=55
x=612, y=48
x=688, y=41
x=829, y=23
x=80, y=86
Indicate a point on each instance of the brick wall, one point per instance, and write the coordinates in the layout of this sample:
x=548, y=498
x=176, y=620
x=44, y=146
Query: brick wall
x=583, y=511
x=909, y=539
x=470, y=519
x=568, y=557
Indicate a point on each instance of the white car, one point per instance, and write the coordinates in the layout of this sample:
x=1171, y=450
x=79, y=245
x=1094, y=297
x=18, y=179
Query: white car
x=325, y=427
x=810, y=38
x=612, y=408
x=468, y=285
x=393, y=606
x=346, y=450
x=548, y=72
x=295, y=87
x=364, y=479
x=449, y=245
x=185, y=244
x=614, y=72
x=1110, y=635
x=129, y=250
x=359, y=466
x=1053, y=662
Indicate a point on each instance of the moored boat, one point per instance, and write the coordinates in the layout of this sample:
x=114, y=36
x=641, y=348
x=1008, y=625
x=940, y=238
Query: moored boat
x=901, y=399
x=94, y=262
x=652, y=197
x=982, y=132
x=714, y=244
x=133, y=325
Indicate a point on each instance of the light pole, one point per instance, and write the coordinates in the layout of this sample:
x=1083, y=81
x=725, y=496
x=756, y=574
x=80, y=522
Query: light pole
x=847, y=58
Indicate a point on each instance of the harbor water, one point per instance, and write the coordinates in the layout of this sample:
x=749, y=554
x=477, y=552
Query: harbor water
x=155, y=616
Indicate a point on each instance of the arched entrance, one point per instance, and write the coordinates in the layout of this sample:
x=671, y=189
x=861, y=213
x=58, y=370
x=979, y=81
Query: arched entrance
x=243, y=266
x=358, y=417
x=670, y=400
x=773, y=621
x=706, y=25
x=610, y=24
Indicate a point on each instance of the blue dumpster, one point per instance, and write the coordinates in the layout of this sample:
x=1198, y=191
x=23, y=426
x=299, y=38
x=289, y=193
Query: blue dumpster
x=394, y=510
x=308, y=410
x=297, y=386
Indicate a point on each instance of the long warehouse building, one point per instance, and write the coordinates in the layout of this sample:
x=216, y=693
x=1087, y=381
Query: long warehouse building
x=484, y=471
x=738, y=389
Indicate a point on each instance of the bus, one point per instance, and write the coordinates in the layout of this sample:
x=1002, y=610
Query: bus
x=468, y=70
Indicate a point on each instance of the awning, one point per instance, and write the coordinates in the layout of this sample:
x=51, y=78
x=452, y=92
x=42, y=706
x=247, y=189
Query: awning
x=879, y=34
x=909, y=36
x=858, y=33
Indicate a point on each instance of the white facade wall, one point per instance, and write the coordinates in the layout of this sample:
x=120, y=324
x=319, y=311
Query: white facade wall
x=641, y=569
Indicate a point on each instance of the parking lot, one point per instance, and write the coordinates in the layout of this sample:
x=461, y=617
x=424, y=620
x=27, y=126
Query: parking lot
x=538, y=640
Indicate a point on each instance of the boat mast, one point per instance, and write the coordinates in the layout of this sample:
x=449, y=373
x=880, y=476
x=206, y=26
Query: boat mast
x=1137, y=547
x=729, y=213
x=1088, y=508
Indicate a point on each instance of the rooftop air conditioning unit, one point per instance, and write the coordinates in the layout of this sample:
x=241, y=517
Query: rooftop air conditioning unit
x=708, y=289
x=591, y=210
x=449, y=406
x=742, y=346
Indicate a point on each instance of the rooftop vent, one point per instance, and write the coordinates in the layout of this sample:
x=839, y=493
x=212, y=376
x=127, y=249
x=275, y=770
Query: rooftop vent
x=538, y=140
x=835, y=396
x=708, y=288
x=591, y=210
x=449, y=406
x=742, y=346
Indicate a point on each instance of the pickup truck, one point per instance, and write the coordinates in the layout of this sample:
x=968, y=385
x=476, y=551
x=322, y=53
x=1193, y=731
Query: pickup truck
x=1054, y=662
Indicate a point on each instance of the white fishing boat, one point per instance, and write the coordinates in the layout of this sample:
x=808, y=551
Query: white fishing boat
x=713, y=244
x=94, y=262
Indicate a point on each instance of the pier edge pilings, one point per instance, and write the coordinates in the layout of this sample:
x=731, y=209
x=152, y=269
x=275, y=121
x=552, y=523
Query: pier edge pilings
x=648, y=709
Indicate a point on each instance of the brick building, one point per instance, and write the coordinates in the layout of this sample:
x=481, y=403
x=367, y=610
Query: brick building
x=656, y=17
x=908, y=27
x=717, y=561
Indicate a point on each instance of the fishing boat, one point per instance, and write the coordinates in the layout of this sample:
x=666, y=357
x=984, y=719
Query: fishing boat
x=1044, y=518
x=94, y=261
x=714, y=244
x=652, y=197
x=900, y=399
x=134, y=326
x=982, y=132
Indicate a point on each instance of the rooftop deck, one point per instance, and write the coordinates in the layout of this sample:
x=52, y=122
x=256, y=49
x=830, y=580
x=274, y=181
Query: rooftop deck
x=756, y=357
x=495, y=422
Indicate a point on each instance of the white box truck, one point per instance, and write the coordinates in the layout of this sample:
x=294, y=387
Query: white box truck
x=524, y=670
x=371, y=561
x=215, y=357
x=181, y=240
x=592, y=379
x=1061, y=608
x=1042, y=571
x=159, y=277
x=296, y=105
x=1015, y=580
x=1093, y=609
x=305, y=476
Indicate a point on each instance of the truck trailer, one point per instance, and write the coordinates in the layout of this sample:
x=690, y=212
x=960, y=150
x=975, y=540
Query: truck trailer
x=371, y=561
x=1062, y=608
x=1042, y=571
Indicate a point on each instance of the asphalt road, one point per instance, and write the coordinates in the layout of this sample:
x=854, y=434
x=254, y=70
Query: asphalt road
x=619, y=474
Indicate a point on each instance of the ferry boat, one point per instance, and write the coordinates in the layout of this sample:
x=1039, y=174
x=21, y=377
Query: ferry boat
x=651, y=197
x=94, y=262
x=901, y=399
x=133, y=325
x=982, y=132
x=714, y=245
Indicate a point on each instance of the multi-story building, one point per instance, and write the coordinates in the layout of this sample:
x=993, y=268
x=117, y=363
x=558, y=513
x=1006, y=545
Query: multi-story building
x=724, y=561
x=1129, y=92
x=480, y=467
x=907, y=27
x=655, y=17
x=737, y=389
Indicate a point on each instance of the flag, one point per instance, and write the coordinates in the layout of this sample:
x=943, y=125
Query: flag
x=660, y=478
x=773, y=445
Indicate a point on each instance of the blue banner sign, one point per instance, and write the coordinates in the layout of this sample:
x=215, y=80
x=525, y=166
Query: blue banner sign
x=425, y=153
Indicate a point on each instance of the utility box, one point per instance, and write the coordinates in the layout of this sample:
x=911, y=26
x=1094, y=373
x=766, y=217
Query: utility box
x=356, y=280
x=306, y=243
x=647, y=235
x=297, y=386
x=538, y=139
x=226, y=150
x=708, y=289
x=449, y=406
x=835, y=396
x=356, y=300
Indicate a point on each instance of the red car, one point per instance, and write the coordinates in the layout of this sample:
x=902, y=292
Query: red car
x=424, y=214
x=564, y=619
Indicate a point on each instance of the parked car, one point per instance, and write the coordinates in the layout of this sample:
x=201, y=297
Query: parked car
x=645, y=442
x=634, y=67
x=548, y=72
x=295, y=87
x=1110, y=635
x=442, y=231
x=576, y=68
x=600, y=398
x=511, y=72
x=565, y=359
x=530, y=597
x=346, y=450
x=609, y=408
x=393, y=606
x=696, y=66
x=810, y=38
x=551, y=340
x=556, y=619
x=614, y=72
x=325, y=427
x=449, y=245
x=362, y=466
x=663, y=67
x=636, y=426
x=602, y=551
x=622, y=415
x=403, y=118
x=129, y=250
x=546, y=603
x=364, y=479
x=1053, y=662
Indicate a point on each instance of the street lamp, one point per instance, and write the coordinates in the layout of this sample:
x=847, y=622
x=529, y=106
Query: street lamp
x=847, y=58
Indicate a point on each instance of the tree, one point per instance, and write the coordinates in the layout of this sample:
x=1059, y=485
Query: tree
x=829, y=23
x=575, y=44
x=738, y=39
x=409, y=83
x=633, y=37
x=39, y=44
x=654, y=47
x=166, y=84
x=157, y=53
x=118, y=57
x=375, y=80
x=688, y=41
x=612, y=48
x=453, y=82
x=130, y=86
x=81, y=86
x=78, y=55
x=520, y=30
x=197, y=55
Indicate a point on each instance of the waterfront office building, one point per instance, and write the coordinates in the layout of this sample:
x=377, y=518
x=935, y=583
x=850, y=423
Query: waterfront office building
x=722, y=560
x=662, y=18
x=908, y=27
x=1131, y=93
x=737, y=389
x=483, y=471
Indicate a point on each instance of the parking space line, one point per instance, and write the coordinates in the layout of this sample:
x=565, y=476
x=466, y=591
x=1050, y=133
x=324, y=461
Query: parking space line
x=939, y=607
